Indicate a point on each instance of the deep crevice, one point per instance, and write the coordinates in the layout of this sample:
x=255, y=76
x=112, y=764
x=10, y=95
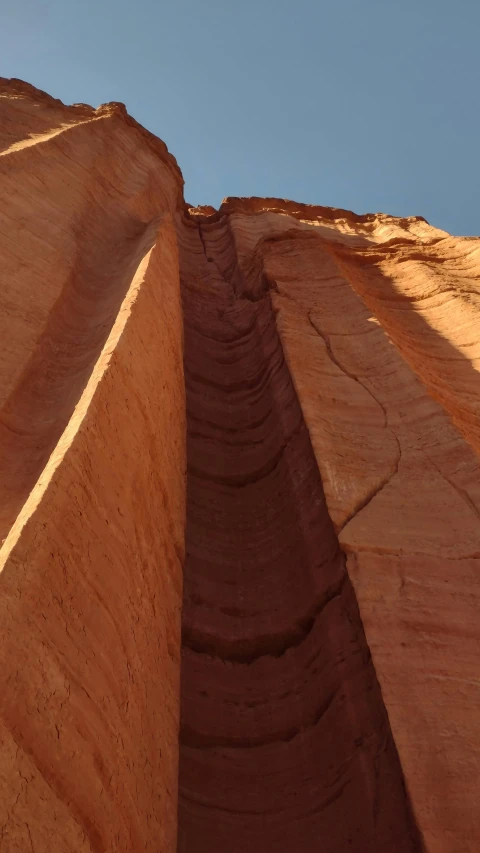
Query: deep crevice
x=280, y=703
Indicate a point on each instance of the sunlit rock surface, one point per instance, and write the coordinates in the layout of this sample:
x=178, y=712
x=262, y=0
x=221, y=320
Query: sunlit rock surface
x=322, y=394
x=92, y=461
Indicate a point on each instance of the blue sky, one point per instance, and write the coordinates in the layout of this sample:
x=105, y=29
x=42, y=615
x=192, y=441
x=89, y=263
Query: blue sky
x=369, y=105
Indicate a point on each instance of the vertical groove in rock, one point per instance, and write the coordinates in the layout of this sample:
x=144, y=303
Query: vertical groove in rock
x=35, y=413
x=285, y=743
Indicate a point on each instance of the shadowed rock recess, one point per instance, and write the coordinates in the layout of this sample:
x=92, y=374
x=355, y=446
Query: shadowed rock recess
x=240, y=511
x=284, y=741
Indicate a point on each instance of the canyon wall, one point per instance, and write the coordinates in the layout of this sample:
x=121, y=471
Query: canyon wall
x=92, y=437
x=375, y=323
x=285, y=743
x=322, y=395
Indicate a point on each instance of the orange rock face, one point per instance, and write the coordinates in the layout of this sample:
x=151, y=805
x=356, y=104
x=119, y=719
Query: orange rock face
x=321, y=391
x=92, y=438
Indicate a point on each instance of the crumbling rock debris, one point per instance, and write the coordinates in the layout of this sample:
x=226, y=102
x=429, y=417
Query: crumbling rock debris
x=240, y=510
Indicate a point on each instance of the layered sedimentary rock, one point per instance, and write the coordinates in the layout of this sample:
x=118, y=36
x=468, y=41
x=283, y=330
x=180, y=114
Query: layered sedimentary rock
x=329, y=672
x=381, y=348
x=92, y=481
x=285, y=742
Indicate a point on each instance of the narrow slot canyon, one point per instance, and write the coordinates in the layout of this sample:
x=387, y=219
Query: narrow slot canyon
x=239, y=505
x=285, y=743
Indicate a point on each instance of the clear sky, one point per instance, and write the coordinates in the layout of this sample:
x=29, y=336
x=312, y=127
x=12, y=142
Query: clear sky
x=369, y=105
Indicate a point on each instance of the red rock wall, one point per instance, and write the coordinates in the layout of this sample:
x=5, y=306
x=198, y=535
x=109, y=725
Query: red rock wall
x=285, y=742
x=91, y=569
x=377, y=321
x=81, y=194
x=330, y=679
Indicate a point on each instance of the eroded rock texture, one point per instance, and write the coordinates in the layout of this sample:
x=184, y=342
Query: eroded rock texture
x=330, y=666
x=92, y=481
x=285, y=742
x=377, y=318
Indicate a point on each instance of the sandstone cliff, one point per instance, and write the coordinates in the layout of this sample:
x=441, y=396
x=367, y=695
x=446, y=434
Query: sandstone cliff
x=92, y=480
x=325, y=380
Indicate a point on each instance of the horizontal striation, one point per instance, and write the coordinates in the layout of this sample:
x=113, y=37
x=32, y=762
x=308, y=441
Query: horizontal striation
x=284, y=740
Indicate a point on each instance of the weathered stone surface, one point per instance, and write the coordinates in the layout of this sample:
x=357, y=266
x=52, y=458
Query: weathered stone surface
x=379, y=327
x=285, y=742
x=90, y=587
x=330, y=665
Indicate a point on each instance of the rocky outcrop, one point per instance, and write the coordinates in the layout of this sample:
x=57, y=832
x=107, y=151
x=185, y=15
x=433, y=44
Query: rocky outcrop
x=329, y=675
x=285, y=742
x=390, y=403
x=92, y=482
